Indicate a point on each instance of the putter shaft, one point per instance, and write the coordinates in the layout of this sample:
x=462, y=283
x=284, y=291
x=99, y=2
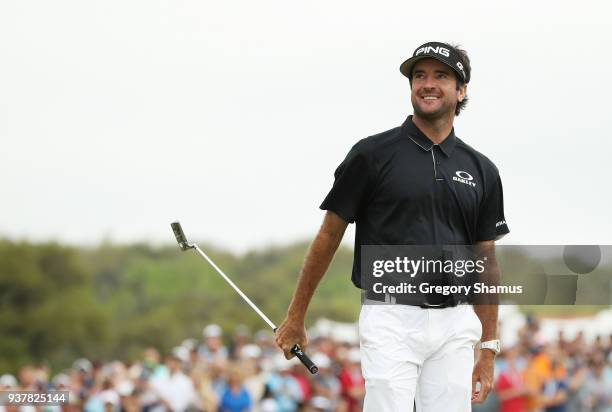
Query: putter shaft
x=236, y=288
x=184, y=245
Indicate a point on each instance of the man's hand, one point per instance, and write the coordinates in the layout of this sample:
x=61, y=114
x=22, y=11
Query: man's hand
x=483, y=373
x=289, y=333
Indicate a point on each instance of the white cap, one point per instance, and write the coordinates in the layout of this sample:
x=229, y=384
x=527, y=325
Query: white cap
x=8, y=381
x=354, y=355
x=125, y=388
x=264, y=334
x=241, y=330
x=61, y=379
x=282, y=364
x=319, y=402
x=82, y=365
x=251, y=351
x=190, y=344
x=321, y=360
x=268, y=405
x=110, y=396
x=181, y=352
x=212, y=331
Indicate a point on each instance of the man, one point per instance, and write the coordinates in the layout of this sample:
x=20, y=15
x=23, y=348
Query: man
x=212, y=350
x=417, y=184
x=176, y=392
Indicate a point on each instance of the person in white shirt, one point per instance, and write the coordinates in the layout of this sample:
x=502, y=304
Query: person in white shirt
x=176, y=391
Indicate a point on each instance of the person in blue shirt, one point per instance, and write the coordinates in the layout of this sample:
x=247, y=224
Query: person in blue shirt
x=556, y=394
x=235, y=398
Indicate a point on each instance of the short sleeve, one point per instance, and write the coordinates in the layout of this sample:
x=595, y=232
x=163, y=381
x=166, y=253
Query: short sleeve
x=352, y=186
x=491, y=220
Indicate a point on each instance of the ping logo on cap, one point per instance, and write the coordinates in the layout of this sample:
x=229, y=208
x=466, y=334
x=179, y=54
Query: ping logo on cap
x=431, y=49
x=443, y=52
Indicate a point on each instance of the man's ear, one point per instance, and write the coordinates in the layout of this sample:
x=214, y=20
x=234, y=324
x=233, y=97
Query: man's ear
x=462, y=92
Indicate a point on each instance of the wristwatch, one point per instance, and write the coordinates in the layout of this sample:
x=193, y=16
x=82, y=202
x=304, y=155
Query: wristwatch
x=494, y=345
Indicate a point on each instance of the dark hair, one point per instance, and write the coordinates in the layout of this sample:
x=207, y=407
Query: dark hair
x=465, y=60
x=466, y=63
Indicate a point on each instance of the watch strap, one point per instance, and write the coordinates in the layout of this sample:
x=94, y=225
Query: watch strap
x=494, y=345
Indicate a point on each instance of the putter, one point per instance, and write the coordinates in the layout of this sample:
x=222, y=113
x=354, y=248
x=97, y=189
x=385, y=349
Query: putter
x=184, y=245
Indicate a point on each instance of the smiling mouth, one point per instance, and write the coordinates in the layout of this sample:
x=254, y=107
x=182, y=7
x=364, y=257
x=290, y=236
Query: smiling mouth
x=430, y=98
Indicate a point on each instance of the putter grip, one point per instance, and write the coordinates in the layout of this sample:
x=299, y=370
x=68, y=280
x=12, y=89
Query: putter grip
x=180, y=236
x=297, y=351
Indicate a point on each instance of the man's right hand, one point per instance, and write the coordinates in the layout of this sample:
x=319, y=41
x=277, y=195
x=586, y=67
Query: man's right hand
x=288, y=334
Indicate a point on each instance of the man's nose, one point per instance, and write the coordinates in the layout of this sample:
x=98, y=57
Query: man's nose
x=428, y=89
x=429, y=84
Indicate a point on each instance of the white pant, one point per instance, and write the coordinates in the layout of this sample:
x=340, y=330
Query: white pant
x=413, y=354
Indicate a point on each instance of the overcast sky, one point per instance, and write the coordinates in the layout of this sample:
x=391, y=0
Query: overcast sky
x=117, y=117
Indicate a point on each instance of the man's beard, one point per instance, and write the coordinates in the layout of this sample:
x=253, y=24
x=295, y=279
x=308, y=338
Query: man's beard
x=442, y=112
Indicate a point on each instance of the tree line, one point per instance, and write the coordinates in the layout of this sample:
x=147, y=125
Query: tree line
x=60, y=302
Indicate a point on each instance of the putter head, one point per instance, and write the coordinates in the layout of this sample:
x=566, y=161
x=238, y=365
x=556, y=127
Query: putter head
x=180, y=236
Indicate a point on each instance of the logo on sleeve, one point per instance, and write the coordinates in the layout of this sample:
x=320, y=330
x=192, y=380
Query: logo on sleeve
x=464, y=177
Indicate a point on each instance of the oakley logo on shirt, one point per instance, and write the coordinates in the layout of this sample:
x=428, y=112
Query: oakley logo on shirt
x=464, y=177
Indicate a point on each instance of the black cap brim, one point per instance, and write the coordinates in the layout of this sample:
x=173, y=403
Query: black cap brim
x=407, y=66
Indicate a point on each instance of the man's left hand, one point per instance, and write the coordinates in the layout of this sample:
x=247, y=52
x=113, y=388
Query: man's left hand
x=483, y=373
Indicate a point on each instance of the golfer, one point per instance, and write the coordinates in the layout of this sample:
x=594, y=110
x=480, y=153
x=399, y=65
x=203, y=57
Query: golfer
x=416, y=184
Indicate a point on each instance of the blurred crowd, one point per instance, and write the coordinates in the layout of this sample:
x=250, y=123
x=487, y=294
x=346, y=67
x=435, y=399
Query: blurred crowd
x=248, y=373
x=558, y=375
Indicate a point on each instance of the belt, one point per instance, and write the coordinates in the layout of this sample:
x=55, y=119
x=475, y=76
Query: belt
x=413, y=300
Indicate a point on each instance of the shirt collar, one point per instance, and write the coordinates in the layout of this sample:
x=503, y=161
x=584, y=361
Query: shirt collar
x=417, y=136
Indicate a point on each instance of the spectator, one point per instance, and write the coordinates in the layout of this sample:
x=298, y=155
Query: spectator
x=352, y=382
x=177, y=391
x=240, y=338
x=152, y=367
x=7, y=383
x=283, y=386
x=255, y=376
x=212, y=349
x=103, y=399
x=597, y=393
x=556, y=388
x=303, y=377
x=268, y=403
x=325, y=383
x=235, y=398
x=217, y=372
x=537, y=373
x=265, y=340
x=204, y=388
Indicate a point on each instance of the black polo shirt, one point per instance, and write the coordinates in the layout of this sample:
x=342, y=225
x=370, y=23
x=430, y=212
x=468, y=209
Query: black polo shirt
x=402, y=189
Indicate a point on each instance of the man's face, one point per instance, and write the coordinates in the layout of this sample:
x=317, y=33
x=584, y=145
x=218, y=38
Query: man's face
x=214, y=343
x=174, y=364
x=434, y=89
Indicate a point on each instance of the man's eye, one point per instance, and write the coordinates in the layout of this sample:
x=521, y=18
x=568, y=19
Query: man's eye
x=442, y=76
